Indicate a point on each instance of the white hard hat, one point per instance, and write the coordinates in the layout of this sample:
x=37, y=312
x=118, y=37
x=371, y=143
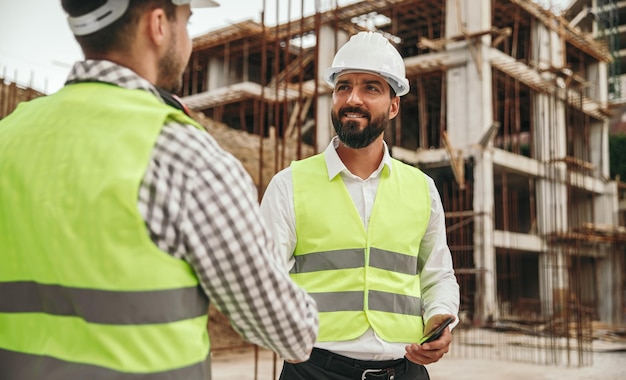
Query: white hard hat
x=112, y=10
x=370, y=52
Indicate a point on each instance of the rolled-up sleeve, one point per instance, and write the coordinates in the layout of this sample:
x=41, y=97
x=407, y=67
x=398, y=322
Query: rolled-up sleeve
x=229, y=247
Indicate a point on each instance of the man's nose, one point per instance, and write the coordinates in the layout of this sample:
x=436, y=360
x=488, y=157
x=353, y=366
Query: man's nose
x=355, y=97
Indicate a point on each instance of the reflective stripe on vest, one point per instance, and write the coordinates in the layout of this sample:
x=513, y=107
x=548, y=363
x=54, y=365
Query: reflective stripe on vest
x=104, y=307
x=15, y=365
x=353, y=258
x=85, y=292
x=359, y=278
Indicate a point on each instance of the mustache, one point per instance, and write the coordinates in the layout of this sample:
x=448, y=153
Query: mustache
x=362, y=111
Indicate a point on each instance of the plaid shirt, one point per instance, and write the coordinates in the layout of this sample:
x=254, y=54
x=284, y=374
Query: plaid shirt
x=200, y=205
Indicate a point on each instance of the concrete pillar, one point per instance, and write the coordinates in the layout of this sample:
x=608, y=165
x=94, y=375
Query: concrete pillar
x=469, y=95
x=215, y=74
x=550, y=144
x=597, y=74
x=469, y=116
x=594, y=25
x=327, y=45
x=610, y=278
x=609, y=273
x=484, y=250
x=605, y=205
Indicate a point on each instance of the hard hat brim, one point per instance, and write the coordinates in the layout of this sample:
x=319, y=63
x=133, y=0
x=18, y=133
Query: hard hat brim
x=399, y=85
x=111, y=11
x=197, y=3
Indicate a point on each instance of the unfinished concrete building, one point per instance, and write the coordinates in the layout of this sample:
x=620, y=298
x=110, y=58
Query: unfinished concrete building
x=508, y=112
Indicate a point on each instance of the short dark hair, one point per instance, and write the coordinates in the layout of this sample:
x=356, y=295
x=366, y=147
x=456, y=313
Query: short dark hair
x=392, y=92
x=117, y=35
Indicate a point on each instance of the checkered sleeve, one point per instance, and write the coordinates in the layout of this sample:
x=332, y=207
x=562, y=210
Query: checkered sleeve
x=201, y=205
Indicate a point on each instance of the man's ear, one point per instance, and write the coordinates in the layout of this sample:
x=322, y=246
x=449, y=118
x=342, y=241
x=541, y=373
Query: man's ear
x=157, y=26
x=394, y=107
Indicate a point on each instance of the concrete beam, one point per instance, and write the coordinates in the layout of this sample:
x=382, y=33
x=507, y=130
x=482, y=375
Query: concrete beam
x=517, y=241
x=516, y=164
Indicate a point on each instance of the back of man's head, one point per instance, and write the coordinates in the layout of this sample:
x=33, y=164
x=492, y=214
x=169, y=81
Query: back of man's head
x=102, y=26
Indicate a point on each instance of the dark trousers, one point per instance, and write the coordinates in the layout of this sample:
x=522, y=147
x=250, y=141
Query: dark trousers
x=325, y=365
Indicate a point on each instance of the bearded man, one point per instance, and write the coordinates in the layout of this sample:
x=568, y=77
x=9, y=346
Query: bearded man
x=364, y=234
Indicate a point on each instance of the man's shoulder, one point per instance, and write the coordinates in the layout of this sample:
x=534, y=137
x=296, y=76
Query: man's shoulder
x=308, y=160
x=193, y=147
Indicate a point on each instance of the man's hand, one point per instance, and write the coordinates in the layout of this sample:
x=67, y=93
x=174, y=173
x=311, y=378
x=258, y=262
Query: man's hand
x=433, y=351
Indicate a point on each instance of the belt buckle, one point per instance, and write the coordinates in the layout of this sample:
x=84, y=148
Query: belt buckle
x=391, y=373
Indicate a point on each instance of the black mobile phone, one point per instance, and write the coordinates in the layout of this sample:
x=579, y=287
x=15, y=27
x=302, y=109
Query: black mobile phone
x=436, y=332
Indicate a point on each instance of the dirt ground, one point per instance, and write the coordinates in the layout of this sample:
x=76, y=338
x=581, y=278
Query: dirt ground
x=223, y=337
x=234, y=359
x=246, y=147
x=606, y=366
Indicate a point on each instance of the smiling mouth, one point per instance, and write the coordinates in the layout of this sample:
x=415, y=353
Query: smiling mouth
x=350, y=115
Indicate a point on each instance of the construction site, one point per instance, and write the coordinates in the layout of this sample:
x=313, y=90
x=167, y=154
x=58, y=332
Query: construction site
x=508, y=112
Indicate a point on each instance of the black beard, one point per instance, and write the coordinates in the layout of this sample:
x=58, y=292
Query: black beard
x=169, y=77
x=349, y=132
x=170, y=74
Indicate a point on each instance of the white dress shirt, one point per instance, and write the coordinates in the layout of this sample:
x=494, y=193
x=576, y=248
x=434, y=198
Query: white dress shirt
x=440, y=290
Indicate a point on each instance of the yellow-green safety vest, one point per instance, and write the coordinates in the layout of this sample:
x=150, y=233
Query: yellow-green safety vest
x=360, y=278
x=85, y=293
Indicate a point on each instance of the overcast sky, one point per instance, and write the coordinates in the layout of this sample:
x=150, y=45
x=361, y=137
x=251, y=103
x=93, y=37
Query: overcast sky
x=37, y=47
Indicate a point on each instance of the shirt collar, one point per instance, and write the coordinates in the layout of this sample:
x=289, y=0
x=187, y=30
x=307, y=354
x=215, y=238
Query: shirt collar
x=103, y=71
x=335, y=166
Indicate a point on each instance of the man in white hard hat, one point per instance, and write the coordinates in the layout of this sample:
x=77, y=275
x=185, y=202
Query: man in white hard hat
x=121, y=218
x=364, y=233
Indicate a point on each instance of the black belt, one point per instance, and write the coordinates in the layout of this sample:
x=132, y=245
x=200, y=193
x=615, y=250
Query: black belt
x=358, y=369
